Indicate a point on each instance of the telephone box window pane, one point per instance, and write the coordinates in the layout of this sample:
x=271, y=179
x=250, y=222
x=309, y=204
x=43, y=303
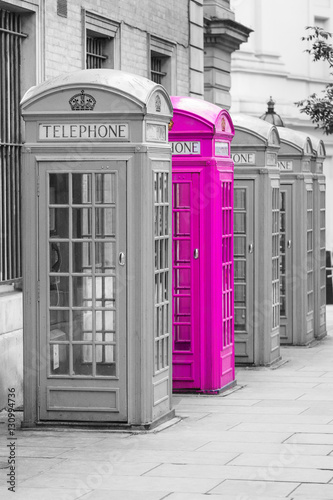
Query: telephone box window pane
x=59, y=291
x=59, y=325
x=240, y=315
x=182, y=280
x=106, y=369
x=240, y=269
x=239, y=246
x=104, y=188
x=240, y=293
x=105, y=256
x=58, y=189
x=240, y=199
x=105, y=291
x=59, y=359
x=82, y=359
x=182, y=195
x=182, y=251
x=81, y=188
x=58, y=257
x=183, y=333
x=105, y=222
x=82, y=257
x=58, y=222
x=81, y=222
x=182, y=224
x=240, y=223
x=182, y=307
x=105, y=353
x=82, y=325
x=82, y=291
x=110, y=320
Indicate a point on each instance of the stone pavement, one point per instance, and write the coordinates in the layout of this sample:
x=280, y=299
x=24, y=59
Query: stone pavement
x=269, y=439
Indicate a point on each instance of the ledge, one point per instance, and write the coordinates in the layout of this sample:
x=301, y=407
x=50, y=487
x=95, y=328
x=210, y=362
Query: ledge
x=226, y=33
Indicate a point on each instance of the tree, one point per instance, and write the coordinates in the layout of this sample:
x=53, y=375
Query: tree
x=320, y=109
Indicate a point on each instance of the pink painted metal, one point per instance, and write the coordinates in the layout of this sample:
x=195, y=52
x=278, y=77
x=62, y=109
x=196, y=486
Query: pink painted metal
x=202, y=176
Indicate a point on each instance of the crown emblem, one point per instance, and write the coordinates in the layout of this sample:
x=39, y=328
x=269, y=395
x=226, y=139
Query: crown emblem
x=223, y=124
x=158, y=103
x=82, y=102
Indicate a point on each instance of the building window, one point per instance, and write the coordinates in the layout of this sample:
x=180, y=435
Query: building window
x=156, y=69
x=10, y=146
x=102, y=38
x=95, y=52
x=163, y=63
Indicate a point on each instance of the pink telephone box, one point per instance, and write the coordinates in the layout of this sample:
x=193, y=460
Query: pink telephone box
x=202, y=175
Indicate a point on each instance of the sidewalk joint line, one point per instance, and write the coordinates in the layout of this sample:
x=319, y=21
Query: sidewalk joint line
x=156, y=466
x=237, y=456
x=208, y=442
x=218, y=484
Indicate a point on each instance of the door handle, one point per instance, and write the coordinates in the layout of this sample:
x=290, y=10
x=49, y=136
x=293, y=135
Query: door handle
x=121, y=259
x=251, y=248
x=289, y=244
x=196, y=253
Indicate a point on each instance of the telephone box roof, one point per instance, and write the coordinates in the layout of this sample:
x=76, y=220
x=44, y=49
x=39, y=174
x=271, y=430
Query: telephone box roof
x=262, y=130
x=133, y=86
x=297, y=140
x=203, y=111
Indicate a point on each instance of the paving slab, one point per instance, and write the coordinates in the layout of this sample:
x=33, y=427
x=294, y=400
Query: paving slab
x=314, y=491
x=271, y=472
x=22, y=493
x=254, y=488
x=284, y=459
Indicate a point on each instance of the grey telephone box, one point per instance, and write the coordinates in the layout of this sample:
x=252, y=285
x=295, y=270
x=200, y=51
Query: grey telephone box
x=319, y=238
x=256, y=241
x=97, y=250
x=297, y=270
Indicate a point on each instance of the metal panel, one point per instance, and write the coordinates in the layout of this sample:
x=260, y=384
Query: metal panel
x=244, y=270
x=186, y=286
x=82, y=221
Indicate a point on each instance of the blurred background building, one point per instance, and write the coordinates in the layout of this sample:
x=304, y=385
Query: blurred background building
x=273, y=62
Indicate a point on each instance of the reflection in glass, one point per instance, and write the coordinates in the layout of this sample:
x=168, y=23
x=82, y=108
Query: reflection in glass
x=82, y=257
x=105, y=291
x=81, y=222
x=82, y=291
x=58, y=189
x=59, y=291
x=58, y=257
x=59, y=324
x=105, y=222
x=104, y=188
x=81, y=188
x=105, y=256
x=59, y=359
x=82, y=325
x=58, y=222
x=82, y=359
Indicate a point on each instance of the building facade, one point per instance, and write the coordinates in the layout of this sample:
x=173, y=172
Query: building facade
x=273, y=62
x=40, y=39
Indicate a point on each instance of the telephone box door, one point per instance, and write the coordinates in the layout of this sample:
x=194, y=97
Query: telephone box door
x=243, y=270
x=186, y=289
x=82, y=274
x=286, y=295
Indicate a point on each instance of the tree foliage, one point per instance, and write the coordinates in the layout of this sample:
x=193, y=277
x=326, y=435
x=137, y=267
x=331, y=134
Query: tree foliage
x=320, y=108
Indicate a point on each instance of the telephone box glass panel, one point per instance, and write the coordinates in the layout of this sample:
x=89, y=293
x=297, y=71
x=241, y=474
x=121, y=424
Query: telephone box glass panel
x=82, y=274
